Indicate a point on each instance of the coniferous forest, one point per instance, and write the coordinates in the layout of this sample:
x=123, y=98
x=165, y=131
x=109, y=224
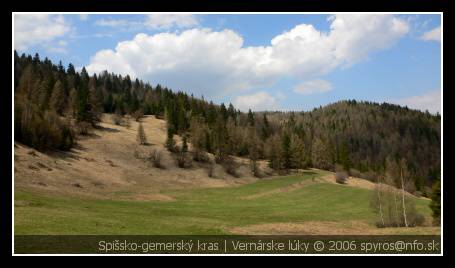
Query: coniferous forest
x=54, y=104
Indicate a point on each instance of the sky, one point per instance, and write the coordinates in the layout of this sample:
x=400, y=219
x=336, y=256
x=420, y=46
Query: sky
x=254, y=61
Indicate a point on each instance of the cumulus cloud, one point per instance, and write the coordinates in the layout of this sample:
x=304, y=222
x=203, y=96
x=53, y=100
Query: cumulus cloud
x=313, y=87
x=166, y=21
x=38, y=29
x=259, y=101
x=430, y=101
x=215, y=63
x=433, y=35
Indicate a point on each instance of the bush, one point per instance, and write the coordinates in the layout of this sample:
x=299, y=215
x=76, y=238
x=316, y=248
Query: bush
x=341, y=177
x=117, y=119
x=370, y=175
x=230, y=166
x=83, y=128
x=355, y=173
x=255, y=169
x=42, y=131
x=137, y=115
x=184, y=160
x=211, y=170
x=155, y=157
x=200, y=156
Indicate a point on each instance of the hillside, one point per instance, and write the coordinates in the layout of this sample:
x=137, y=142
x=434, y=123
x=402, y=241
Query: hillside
x=104, y=165
x=100, y=187
x=54, y=107
x=79, y=168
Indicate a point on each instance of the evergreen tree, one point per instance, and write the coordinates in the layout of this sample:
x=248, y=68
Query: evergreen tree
x=286, y=151
x=170, y=142
x=141, y=137
x=250, y=118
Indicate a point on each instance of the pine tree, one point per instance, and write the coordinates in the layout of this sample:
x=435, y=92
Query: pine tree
x=170, y=142
x=286, y=151
x=265, y=129
x=250, y=117
x=141, y=137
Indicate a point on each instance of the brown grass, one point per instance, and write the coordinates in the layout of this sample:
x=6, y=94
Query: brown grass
x=104, y=163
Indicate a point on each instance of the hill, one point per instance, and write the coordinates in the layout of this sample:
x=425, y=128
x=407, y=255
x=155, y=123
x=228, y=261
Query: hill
x=55, y=106
x=100, y=187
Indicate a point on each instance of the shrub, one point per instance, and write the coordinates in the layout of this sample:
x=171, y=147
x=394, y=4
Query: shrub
x=184, y=160
x=255, y=169
x=42, y=131
x=83, y=128
x=355, y=173
x=341, y=177
x=117, y=119
x=200, y=156
x=370, y=175
x=211, y=169
x=156, y=157
x=137, y=115
x=230, y=166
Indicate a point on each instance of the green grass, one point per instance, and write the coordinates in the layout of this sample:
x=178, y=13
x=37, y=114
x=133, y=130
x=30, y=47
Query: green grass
x=196, y=211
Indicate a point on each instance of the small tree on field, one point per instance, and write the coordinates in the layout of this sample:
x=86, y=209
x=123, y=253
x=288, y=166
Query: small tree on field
x=183, y=158
x=137, y=115
x=141, y=137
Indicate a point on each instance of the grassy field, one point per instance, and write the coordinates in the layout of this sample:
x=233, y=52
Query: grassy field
x=203, y=211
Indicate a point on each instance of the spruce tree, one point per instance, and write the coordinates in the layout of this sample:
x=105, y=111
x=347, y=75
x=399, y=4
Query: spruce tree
x=170, y=142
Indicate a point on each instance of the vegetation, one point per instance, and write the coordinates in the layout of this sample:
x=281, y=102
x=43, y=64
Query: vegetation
x=435, y=204
x=359, y=136
x=141, y=137
x=395, y=207
x=201, y=211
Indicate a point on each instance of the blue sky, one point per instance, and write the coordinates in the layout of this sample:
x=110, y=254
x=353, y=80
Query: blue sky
x=260, y=61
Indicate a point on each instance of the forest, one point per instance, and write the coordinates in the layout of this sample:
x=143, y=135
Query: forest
x=54, y=104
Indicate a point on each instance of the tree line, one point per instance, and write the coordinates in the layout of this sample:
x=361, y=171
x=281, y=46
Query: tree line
x=53, y=104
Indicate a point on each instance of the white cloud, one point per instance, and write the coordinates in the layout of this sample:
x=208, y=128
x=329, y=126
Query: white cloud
x=433, y=35
x=83, y=17
x=38, y=29
x=166, y=21
x=430, y=101
x=116, y=23
x=259, y=101
x=215, y=63
x=151, y=21
x=313, y=87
